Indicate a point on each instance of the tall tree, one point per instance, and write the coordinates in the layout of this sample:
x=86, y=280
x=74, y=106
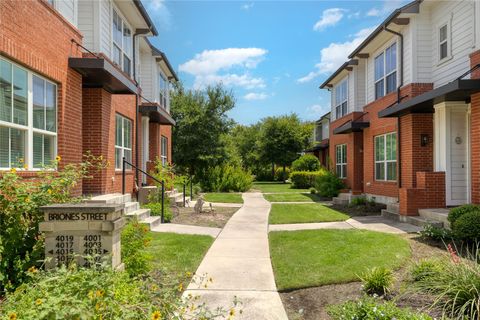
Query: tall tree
x=201, y=123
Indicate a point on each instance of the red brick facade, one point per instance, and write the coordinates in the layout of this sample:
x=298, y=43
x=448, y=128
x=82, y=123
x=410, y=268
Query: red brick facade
x=475, y=134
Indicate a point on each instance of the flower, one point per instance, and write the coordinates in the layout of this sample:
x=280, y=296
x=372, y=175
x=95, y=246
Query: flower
x=49, y=191
x=27, y=199
x=20, y=160
x=25, y=166
x=12, y=316
x=156, y=315
x=58, y=158
x=13, y=170
x=38, y=302
x=180, y=287
x=90, y=294
x=32, y=269
x=99, y=293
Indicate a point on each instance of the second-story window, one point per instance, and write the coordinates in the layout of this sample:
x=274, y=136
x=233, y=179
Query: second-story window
x=444, y=43
x=163, y=89
x=318, y=133
x=341, y=100
x=386, y=71
x=122, y=43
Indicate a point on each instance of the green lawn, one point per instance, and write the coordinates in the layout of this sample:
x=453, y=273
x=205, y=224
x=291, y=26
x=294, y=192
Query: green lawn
x=312, y=258
x=291, y=197
x=223, y=197
x=304, y=213
x=275, y=187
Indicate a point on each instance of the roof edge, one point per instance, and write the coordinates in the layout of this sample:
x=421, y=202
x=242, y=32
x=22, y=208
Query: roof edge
x=157, y=53
x=145, y=16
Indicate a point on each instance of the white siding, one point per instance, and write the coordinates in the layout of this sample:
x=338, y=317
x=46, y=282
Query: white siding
x=422, y=51
x=68, y=9
x=359, y=75
x=146, y=71
x=86, y=24
x=105, y=27
x=407, y=55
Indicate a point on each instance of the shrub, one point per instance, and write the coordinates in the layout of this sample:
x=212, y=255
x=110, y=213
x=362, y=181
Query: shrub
x=156, y=209
x=135, y=240
x=368, y=308
x=467, y=227
x=304, y=179
x=377, y=281
x=424, y=269
x=457, y=212
x=358, y=201
x=280, y=175
x=306, y=162
x=328, y=184
x=226, y=179
x=312, y=191
x=264, y=174
x=435, y=233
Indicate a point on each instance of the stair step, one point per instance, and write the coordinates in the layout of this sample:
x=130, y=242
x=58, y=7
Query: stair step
x=440, y=215
x=152, y=221
x=415, y=220
x=393, y=207
x=131, y=207
x=113, y=198
x=140, y=214
x=340, y=201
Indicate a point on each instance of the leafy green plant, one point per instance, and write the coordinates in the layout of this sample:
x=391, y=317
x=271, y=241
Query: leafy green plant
x=156, y=208
x=134, y=241
x=164, y=173
x=424, y=269
x=368, y=308
x=304, y=179
x=457, y=212
x=312, y=190
x=21, y=244
x=435, y=233
x=280, y=175
x=307, y=162
x=263, y=173
x=467, y=227
x=226, y=178
x=358, y=201
x=328, y=184
x=378, y=280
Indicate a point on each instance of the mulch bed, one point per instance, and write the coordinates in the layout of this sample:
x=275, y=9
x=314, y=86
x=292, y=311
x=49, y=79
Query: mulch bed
x=216, y=218
x=311, y=303
x=360, y=210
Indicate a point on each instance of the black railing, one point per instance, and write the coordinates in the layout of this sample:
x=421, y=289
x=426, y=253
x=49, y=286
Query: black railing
x=162, y=193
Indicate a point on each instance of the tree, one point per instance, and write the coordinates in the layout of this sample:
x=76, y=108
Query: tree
x=245, y=140
x=201, y=124
x=282, y=139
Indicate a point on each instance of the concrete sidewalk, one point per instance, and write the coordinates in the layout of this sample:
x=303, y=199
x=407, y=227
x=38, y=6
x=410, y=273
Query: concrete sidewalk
x=239, y=264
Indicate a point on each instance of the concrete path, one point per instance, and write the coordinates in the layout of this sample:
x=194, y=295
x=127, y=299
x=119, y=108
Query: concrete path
x=239, y=263
x=372, y=223
x=186, y=229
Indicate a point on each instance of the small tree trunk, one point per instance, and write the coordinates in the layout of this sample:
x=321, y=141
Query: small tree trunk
x=284, y=173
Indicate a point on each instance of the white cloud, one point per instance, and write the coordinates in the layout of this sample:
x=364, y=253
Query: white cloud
x=214, y=66
x=255, y=96
x=247, y=6
x=315, y=111
x=333, y=56
x=330, y=17
x=387, y=8
x=160, y=12
x=374, y=12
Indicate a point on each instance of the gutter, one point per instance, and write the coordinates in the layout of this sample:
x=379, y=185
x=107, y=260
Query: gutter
x=146, y=17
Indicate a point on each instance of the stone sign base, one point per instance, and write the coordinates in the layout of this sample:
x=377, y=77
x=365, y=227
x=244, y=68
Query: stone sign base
x=83, y=233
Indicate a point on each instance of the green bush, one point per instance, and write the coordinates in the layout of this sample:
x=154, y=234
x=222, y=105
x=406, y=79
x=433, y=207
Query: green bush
x=280, y=175
x=467, y=227
x=264, y=174
x=358, y=201
x=377, y=280
x=156, y=209
x=135, y=240
x=312, y=190
x=304, y=179
x=424, y=269
x=457, y=212
x=226, y=179
x=368, y=308
x=435, y=233
x=328, y=184
x=306, y=162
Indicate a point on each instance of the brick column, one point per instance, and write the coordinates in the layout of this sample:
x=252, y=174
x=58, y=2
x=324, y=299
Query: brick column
x=475, y=133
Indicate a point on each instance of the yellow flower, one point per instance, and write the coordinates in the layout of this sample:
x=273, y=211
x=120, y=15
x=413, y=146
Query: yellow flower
x=12, y=316
x=20, y=160
x=180, y=287
x=90, y=294
x=13, y=170
x=189, y=274
x=49, y=191
x=32, y=269
x=156, y=315
x=58, y=158
x=99, y=293
x=232, y=312
x=97, y=306
x=25, y=166
x=27, y=199
x=38, y=302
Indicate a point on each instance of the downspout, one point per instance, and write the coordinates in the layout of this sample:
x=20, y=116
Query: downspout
x=399, y=154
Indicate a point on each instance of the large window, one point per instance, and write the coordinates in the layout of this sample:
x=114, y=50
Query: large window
x=386, y=157
x=443, y=42
x=341, y=160
x=164, y=150
x=28, y=111
x=123, y=140
x=341, y=100
x=386, y=71
x=163, y=89
x=318, y=133
x=122, y=43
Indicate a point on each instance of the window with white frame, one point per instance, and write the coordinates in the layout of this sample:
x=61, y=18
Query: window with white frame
x=28, y=126
x=123, y=140
x=341, y=99
x=386, y=71
x=122, y=43
x=318, y=132
x=163, y=90
x=443, y=42
x=341, y=160
x=164, y=150
x=386, y=157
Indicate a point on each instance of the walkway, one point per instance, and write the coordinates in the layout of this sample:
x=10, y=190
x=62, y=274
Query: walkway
x=239, y=263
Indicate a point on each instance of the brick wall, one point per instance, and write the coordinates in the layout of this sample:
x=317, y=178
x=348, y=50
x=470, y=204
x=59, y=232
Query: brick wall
x=475, y=134
x=429, y=193
x=166, y=131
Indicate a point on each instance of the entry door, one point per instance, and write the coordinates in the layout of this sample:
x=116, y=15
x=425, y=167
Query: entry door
x=459, y=150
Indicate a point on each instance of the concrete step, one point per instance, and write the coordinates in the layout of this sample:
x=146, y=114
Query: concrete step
x=131, y=207
x=344, y=196
x=152, y=221
x=340, y=201
x=393, y=207
x=112, y=198
x=140, y=214
x=415, y=220
x=436, y=214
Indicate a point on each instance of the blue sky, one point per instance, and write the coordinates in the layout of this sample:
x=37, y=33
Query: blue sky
x=272, y=54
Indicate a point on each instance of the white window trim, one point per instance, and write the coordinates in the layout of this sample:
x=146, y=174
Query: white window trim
x=113, y=42
x=385, y=75
x=164, y=92
x=338, y=104
x=384, y=161
x=343, y=161
x=122, y=148
x=164, y=157
x=448, y=24
x=29, y=129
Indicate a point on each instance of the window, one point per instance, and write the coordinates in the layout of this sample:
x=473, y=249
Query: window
x=341, y=100
x=123, y=140
x=318, y=133
x=386, y=72
x=28, y=126
x=386, y=157
x=122, y=43
x=443, y=37
x=164, y=150
x=341, y=158
x=163, y=88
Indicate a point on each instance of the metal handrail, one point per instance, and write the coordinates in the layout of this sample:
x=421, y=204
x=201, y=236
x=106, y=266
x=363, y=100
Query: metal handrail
x=162, y=183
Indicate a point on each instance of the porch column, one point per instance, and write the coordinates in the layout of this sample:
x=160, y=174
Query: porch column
x=475, y=148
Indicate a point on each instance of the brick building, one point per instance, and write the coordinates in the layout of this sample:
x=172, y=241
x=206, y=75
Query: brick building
x=320, y=139
x=404, y=118
x=78, y=76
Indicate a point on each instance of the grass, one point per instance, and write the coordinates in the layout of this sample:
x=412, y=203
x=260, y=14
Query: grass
x=291, y=197
x=313, y=258
x=304, y=213
x=223, y=197
x=267, y=187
